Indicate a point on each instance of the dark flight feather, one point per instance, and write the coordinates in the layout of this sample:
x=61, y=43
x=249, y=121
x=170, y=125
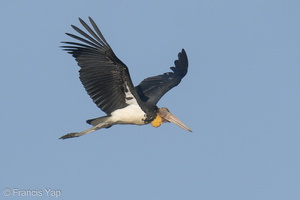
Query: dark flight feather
x=153, y=88
x=103, y=75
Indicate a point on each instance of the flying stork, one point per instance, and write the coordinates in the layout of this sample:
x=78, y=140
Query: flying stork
x=106, y=79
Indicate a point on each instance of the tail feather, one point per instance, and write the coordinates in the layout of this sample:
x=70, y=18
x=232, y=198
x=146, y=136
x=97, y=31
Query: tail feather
x=98, y=120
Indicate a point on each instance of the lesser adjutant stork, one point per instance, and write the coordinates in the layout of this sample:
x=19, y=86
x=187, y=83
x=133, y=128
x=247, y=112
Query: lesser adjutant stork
x=106, y=79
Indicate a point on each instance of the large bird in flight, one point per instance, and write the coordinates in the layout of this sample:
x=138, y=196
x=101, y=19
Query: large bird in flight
x=106, y=79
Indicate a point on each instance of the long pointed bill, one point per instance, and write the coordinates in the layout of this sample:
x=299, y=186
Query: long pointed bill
x=171, y=118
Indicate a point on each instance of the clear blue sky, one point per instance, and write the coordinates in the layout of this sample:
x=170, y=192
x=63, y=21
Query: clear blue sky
x=241, y=99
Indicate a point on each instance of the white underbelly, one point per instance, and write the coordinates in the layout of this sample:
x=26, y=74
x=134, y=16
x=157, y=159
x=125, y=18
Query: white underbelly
x=131, y=114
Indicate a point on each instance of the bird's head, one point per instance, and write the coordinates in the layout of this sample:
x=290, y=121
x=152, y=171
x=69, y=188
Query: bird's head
x=164, y=115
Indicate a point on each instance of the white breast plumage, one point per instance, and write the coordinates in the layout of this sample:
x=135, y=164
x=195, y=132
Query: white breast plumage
x=132, y=114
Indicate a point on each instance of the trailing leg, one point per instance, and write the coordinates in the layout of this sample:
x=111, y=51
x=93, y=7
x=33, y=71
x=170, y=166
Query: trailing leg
x=100, y=125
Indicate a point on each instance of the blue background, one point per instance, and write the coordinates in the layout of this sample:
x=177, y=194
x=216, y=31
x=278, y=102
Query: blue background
x=240, y=98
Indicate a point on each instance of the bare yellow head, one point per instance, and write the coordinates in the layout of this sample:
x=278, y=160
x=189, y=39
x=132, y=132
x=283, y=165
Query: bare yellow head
x=164, y=115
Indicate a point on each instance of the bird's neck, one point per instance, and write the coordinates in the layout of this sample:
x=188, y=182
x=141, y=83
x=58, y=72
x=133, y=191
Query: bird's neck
x=157, y=121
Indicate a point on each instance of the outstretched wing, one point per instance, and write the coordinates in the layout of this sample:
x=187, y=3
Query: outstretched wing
x=105, y=77
x=153, y=88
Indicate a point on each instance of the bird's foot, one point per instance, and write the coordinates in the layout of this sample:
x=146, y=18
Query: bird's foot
x=70, y=135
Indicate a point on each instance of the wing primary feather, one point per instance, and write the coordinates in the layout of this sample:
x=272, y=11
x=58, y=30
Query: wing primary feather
x=91, y=32
x=80, y=39
x=98, y=30
x=84, y=34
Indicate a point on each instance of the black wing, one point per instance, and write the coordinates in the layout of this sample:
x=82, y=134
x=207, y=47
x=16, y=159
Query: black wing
x=153, y=88
x=104, y=76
